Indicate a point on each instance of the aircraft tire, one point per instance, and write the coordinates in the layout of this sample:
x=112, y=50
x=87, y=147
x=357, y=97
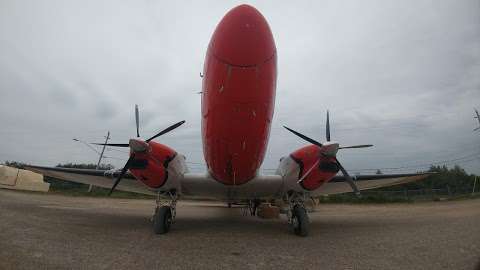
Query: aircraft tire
x=162, y=220
x=300, y=226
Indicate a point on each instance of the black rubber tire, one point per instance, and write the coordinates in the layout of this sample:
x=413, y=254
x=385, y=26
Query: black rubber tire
x=301, y=219
x=162, y=220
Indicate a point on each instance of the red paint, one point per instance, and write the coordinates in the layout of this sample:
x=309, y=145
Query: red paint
x=157, y=157
x=306, y=157
x=238, y=97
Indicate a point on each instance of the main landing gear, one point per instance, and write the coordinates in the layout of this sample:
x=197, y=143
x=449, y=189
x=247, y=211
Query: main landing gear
x=165, y=213
x=251, y=207
x=297, y=214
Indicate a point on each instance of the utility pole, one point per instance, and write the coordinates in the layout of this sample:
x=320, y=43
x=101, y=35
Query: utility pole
x=474, y=182
x=478, y=118
x=90, y=188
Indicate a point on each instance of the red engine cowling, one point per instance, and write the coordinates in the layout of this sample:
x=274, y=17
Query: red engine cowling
x=306, y=157
x=150, y=167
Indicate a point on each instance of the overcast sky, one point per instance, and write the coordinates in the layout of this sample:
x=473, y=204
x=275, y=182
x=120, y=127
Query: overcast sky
x=402, y=75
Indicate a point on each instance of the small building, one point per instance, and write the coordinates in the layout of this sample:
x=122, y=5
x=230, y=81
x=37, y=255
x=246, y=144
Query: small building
x=13, y=178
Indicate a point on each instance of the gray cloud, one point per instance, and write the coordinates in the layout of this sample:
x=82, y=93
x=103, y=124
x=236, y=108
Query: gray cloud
x=401, y=76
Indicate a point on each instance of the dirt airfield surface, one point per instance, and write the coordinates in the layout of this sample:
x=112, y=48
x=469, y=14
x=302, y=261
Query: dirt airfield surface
x=42, y=231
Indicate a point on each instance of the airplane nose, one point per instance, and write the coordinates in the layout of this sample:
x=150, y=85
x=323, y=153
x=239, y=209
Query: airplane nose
x=243, y=38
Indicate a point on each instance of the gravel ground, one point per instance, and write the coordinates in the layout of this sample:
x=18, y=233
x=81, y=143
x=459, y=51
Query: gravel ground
x=42, y=231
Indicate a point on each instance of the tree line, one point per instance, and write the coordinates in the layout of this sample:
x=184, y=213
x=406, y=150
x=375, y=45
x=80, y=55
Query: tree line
x=455, y=179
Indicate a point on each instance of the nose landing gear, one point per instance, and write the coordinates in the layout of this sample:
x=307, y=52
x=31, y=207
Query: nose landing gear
x=165, y=213
x=162, y=219
x=297, y=214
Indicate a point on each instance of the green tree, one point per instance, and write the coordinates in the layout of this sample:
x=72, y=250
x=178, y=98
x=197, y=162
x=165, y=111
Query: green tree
x=15, y=164
x=454, y=179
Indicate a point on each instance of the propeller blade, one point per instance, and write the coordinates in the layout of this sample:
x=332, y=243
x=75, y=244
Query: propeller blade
x=309, y=171
x=348, y=178
x=113, y=144
x=170, y=128
x=137, y=120
x=312, y=141
x=356, y=146
x=122, y=173
x=328, y=127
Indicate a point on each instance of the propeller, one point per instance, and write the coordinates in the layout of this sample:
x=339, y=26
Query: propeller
x=137, y=120
x=170, y=128
x=136, y=145
x=348, y=178
x=327, y=128
x=122, y=173
x=355, y=146
x=312, y=141
x=331, y=150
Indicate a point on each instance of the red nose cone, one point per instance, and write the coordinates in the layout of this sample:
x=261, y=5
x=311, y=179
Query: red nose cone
x=243, y=38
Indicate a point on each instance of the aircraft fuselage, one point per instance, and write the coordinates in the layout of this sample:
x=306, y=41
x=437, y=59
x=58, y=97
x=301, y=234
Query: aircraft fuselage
x=238, y=95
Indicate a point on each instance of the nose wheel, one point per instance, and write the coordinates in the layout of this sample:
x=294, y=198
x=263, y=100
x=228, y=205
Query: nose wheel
x=297, y=215
x=162, y=219
x=299, y=224
x=165, y=213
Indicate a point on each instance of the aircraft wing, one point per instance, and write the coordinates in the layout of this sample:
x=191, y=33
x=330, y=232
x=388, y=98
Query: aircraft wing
x=196, y=186
x=275, y=186
x=339, y=185
x=99, y=178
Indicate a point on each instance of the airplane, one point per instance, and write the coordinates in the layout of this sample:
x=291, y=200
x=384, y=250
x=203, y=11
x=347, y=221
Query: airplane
x=478, y=118
x=237, y=105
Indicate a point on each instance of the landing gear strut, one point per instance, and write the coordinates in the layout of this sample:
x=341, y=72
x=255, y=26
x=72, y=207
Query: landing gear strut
x=165, y=213
x=297, y=214
x=251, y=207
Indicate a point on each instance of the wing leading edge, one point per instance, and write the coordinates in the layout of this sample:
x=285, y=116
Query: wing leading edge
x=338, y=184
x=99, y=178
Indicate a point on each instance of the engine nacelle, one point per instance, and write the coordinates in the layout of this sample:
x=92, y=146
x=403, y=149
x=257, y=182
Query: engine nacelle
x=298, y=163
x=159, y=167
